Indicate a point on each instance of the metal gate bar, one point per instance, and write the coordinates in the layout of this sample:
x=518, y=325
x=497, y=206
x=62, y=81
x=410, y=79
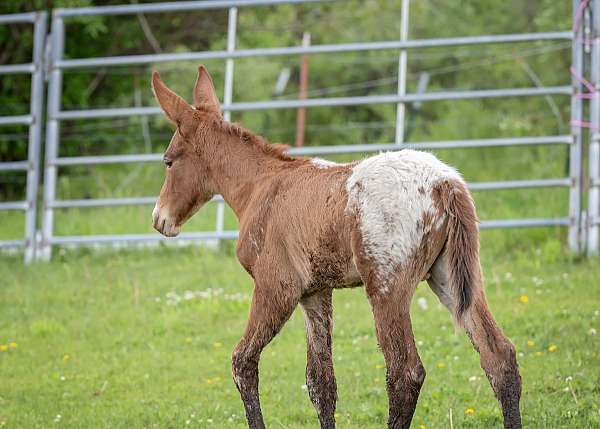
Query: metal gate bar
x=329, y=102
x=34, y=120
x=476, y=186
x=125, y=60
x=232, y=235
x=180, y=6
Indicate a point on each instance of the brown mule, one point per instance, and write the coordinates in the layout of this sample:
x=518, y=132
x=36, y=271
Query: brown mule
x=308, y=226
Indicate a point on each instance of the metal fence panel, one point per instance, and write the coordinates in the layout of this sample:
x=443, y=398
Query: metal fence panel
x=34, y=120
x=56, y=115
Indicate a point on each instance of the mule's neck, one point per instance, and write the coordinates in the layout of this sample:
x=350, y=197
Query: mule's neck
x=239, y=167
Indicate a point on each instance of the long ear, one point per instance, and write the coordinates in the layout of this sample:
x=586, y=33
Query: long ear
x=172, y=104
x=205, y=96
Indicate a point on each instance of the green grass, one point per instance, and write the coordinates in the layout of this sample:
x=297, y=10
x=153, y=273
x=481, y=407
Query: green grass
x=101, y=343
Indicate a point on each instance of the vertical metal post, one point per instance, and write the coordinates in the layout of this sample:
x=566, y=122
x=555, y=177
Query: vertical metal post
x=227, y=96
x=35, y=133
x=402, y=62
x=575, y=150
x=52, y=134
x=302, y=92
x=594, y=154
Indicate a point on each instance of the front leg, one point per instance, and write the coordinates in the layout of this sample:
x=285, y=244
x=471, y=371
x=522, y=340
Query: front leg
x=272, y=305
x=320, y=378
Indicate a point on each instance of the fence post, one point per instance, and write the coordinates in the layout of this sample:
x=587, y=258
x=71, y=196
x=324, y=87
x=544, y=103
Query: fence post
x=575, y=150
x=227, y=98
x=52, y=133
x=402, y=63
x=594, y=134
x=35, y=133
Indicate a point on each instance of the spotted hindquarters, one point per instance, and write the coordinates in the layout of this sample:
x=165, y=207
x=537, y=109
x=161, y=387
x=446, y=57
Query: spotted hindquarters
x=393, y=198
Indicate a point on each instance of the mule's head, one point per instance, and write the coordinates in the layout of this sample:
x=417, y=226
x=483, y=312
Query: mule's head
x=187, y=183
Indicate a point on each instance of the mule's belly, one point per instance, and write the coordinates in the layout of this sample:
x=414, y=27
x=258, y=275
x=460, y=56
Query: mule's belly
x=351, y=279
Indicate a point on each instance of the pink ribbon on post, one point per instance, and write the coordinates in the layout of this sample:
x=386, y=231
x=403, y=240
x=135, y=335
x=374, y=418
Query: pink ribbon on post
x=585, y=124
x=593, y=92
x=579, y=15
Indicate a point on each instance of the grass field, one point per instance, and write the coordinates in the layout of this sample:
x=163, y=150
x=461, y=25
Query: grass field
x=143, y=338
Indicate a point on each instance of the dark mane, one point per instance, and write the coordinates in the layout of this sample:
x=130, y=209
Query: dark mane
x=274, y=150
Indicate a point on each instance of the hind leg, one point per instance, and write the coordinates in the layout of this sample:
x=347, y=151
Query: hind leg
x=405, y=371
x=320, y=377
x=497, y=354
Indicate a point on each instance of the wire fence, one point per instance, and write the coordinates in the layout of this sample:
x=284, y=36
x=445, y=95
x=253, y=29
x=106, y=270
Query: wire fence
x=582, y=226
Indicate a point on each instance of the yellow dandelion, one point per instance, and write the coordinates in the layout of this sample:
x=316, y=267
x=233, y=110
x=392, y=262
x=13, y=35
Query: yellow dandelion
x=469, y=411
x=422, y=427
x=188, y=340
x=530, y=343
x=217, y=344
x=379, y=366
x=208, y=381
x=524, y=299
x=441, y=365
x=336, y=415
x=3, y=347
x=552, y=348
x=13, y=345
x=66, y=357
x=539, y=353
x=376, y=380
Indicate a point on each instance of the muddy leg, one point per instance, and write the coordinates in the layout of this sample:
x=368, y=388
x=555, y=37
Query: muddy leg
x=272, y=305
x=320, y=378
x=497, y=354
x=498, y=360
x=405, y=371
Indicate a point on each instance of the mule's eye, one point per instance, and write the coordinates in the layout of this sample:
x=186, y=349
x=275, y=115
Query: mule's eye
x=168, y=162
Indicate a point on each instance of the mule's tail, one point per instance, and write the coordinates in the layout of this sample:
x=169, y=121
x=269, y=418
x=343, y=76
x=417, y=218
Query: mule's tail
x=462, y=245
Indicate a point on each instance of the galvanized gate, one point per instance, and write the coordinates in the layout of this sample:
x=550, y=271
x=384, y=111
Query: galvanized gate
x=582, y=225
x=55, y=114
x=34, y=120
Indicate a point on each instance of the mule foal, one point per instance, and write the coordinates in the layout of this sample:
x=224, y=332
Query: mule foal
x=308, y=226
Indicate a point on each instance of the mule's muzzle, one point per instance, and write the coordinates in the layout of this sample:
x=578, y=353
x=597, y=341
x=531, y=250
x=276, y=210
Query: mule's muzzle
x=162, y=223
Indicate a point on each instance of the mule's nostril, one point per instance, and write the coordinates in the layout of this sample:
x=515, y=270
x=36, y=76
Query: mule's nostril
x=162, y=225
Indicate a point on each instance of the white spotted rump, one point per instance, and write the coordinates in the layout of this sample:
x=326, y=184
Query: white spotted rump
x=391, y=192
